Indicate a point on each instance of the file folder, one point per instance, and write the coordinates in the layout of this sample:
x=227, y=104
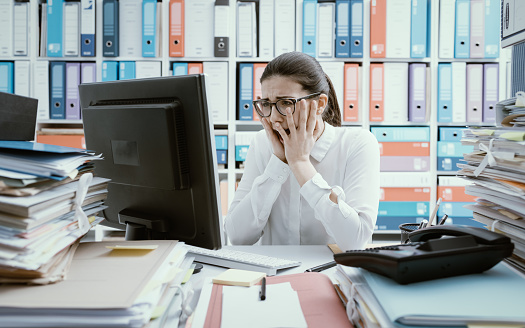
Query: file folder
x=246, y=29
x=195, y=68
x=176, y=34
x=245, y=91
x=6, y=77
x=377, y=111
x=198, y=29
x=406, y=134
x=180, y=68
x=221, y=44
x=88, y=72
x=398, y=29
x=109, y=71
x=57, y=89
x=310, y=27
x=404, y=148
x=402, y=194
x=6, y=37
x=404, y=164
x=41, y=88
x=453, y=149
x=447, y=14
x=451, y=134
x=418, y=29
x=325, y=29
x=448, y=164
x=146, y=69
x=126, y=70
x=459, y=93
x=395, y=92
x=284, y=26
x=492, y=28
x=217, y=89
x=403, y=209
x=20, y=28
x=258, y=69
x=444, y=92
x=462, y=35
x=71, y=28
x=266, y=28
x=72, y=97
x=87, y=28
x=474, y=92
x=351, y=94
x=55, y=10
x=477, y=28
x=21, y=79
x=377, y=29
x=149, y=28
x=342, y=28
x=490, y=92
x=417, y=92
x=130, y=28
x=335, y=71
x=356, y=30
x=110, y=28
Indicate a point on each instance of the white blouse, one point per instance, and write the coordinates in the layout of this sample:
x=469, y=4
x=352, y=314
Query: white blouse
x=270, y=205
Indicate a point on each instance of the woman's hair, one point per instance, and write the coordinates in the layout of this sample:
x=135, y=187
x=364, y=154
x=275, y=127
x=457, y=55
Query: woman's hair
x=306, y=71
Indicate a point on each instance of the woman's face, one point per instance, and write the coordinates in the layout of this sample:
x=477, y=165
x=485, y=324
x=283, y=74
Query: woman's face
x=278, y=87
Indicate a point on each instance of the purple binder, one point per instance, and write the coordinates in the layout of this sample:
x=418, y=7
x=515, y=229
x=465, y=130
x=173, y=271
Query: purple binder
x=404, y=163
x=490, y=92
x=417, y=88
x=72, y=98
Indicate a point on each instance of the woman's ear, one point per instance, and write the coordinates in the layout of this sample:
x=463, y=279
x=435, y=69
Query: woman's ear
x=321, y=104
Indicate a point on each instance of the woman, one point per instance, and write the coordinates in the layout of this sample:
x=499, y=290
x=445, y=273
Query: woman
x=306, y=179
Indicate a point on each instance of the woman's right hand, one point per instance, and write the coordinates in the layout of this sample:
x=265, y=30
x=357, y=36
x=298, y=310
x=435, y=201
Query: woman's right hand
x=273, y=136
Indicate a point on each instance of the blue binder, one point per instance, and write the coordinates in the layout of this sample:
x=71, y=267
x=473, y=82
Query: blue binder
x=455, y=209
x=149, y=28
x=126, y=70
x=401, y=134
x=462, y=33
x=87, y=41
x=452, y=149
x=109, y=71
x=444, y=92
x=492, y=28
x=356, y=30
x=6, y=77
x=407, y=209
x=110, y=28
x=57, y=76
x=221, y=142
x=245, y=92
x=451, y=133
x=180, y=68
x=342, y=28
x=449, y=164
x=309, y=27
x=418, y=29
x=55, y=32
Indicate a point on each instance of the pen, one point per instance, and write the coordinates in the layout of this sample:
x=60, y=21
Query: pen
x=443, y=219
x=262, y=293
x=434, y=212
x=422, y=224
x=322, y=267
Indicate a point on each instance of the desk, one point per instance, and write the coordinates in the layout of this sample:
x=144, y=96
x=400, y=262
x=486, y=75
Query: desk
x=309, y=255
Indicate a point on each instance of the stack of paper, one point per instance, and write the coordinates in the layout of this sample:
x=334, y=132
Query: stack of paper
x=109, y=285
x=511, y=112
x=48, y=201
x=496, y=169
x=377, y=301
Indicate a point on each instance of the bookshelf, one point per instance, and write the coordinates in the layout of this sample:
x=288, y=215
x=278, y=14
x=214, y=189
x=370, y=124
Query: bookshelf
x=233, y=125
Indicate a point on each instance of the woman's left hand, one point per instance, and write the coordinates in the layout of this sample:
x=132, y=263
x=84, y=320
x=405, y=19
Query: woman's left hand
x=299, y=143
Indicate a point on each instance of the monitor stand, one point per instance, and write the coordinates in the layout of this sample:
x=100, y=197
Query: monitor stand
x=140, y=226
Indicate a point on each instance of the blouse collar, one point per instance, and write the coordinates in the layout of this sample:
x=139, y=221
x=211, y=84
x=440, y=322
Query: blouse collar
x=324, y=142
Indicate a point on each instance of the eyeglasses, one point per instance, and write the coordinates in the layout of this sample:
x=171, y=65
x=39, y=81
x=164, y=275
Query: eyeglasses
x=264, y=107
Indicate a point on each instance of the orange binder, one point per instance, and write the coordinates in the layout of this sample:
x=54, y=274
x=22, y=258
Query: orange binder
x=176, y=33
x=378, y=29
x=404, y=148
x=320, y=303
x=351, y=94
x=258, y=69
x=377, y=111
x=404, y=194
x=194, y=68
x=67, y=140
x=454, y=194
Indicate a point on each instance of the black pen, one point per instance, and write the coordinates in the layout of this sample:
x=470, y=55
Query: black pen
x=262, y=293
x=322, y=267
x=443, y=219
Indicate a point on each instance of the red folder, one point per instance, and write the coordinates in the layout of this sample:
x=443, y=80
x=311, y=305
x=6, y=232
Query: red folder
x=320, y=303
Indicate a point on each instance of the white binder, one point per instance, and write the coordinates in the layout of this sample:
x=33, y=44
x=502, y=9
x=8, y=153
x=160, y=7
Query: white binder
x=217, y=90
x=325, y=29
x=6, y=20
x=266, y=28
x=459, y=92
x=336, y=73
x=22, y=77
x=71, y=29
x=396, y=92
x=20, y=28
x=198, y=28
x=40, y=89
x=246, y=29
x=398, y=13
x=130, y=28
x=284, y=26
x=447, y=14
x=145, y=69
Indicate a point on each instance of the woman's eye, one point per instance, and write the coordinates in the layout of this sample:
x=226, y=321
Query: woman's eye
x=265, y=104
x=287, y=102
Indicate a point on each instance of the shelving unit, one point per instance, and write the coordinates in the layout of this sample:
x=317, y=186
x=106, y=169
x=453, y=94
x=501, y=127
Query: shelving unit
x=231, y=173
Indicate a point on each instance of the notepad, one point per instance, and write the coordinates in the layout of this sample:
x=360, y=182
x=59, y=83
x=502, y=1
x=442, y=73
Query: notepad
x=236, y=277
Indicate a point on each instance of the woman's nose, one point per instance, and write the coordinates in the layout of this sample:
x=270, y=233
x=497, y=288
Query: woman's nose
x=275, y=116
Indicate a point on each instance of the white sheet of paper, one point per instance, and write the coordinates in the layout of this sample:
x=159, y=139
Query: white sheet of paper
x=241, y=307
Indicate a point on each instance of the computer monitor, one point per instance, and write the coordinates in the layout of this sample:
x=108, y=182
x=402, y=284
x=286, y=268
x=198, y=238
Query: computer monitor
x=157, y=141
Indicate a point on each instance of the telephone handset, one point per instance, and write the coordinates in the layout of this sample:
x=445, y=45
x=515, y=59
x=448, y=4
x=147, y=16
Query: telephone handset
x=432, y=253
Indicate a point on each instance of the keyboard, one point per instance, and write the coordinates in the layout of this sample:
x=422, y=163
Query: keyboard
x=234, y=259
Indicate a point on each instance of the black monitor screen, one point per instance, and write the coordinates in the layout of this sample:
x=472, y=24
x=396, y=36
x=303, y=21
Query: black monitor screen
x=158, y=146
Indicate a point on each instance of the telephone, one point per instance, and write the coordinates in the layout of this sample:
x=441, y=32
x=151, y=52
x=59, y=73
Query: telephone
x=434, y=252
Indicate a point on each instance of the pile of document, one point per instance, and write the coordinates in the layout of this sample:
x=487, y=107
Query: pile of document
x=511, y=112
x=374, y=301
x=129, y=284
x=48, y=201
x=496, y=170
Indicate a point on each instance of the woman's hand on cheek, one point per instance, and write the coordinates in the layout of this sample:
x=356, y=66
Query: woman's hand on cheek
x=277, y=145
x=299, y=143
